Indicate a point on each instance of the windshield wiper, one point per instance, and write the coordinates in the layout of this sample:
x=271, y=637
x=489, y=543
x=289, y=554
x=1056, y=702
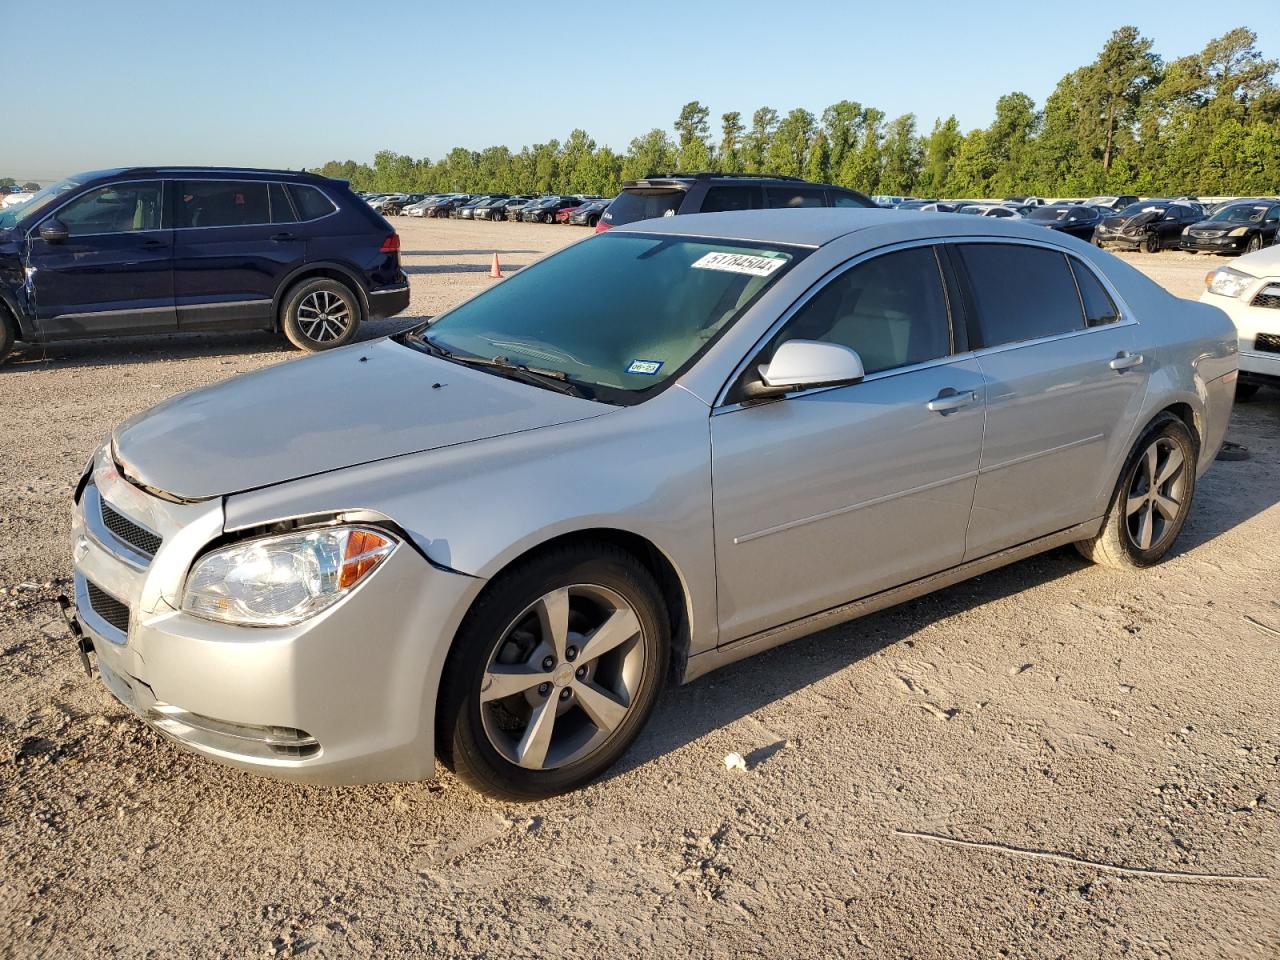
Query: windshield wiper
x=548, y=379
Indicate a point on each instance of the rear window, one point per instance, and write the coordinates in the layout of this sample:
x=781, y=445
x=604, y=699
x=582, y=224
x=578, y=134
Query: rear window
x=632, y=205
x=312, y=204
x=719, y=199
x=281, y=209
x=1099, y=308
x=1022, y=293
x=787, y=197
x=222, y=203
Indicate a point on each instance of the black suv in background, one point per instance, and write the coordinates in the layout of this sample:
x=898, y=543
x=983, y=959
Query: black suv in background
x=172, y=250
x=677, y=193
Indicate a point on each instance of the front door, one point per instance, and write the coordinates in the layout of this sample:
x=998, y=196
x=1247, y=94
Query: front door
x=235, y=241
x=113, y=273
x=1064, y=384
x=827, y=496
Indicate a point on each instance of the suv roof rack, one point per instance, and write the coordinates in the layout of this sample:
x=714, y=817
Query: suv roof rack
x=709, y=174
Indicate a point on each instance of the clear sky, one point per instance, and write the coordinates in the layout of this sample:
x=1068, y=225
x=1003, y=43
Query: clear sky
x=286, y=84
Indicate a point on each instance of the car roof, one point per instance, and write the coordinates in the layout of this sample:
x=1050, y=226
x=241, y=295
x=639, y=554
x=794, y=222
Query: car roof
x=816, y=226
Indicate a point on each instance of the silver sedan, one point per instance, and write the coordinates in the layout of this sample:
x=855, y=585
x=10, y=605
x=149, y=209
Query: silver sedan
x=492, y=539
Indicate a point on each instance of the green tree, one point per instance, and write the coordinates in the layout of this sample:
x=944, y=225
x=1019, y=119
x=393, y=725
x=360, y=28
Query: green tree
x=842, y=122
x=903, y=157
x=818, y=166
x=861, y=167
x=789, y=148
x=652, y=153
x=939, y=152
x=692, y=128
x=763, y=123
x=729, y=156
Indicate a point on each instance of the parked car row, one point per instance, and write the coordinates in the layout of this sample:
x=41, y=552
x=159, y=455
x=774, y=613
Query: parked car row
x=579, y=209
x=1125, y=222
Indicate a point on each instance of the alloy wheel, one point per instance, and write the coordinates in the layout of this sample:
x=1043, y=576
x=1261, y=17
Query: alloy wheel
x=563, y=677
x=323, y=316
x=1156, y=494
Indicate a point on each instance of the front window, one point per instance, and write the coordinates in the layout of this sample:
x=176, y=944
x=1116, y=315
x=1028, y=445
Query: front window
x=119, y=208
x=618, y=315
x=34, y=204
x=1242, y=213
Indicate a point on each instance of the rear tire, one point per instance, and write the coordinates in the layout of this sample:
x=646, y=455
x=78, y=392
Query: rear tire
x=590, y=708
x=1151, y=501
x=320, y=314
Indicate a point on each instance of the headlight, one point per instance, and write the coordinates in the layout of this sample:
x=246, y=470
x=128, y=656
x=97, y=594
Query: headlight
x=281, y=580
x=1226, y=282
x=1185, y=231
x=1238, y=232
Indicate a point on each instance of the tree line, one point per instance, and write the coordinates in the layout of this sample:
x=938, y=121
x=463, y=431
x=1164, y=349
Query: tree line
x=1128, y=122
x=29, y=186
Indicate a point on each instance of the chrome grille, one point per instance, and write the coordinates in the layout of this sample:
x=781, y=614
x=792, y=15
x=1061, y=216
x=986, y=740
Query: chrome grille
x=1267, y=342
x=141, y=539
x=108, y=607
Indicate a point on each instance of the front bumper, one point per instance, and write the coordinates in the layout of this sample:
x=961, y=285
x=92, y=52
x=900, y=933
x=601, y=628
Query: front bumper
x=344, y=697
x=1255, y=326
x=1213, y=244
x=388, y=302
x=1120, y=239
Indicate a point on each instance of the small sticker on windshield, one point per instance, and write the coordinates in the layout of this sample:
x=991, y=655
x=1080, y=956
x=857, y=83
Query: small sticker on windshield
x=646, y=368
x=739, y=263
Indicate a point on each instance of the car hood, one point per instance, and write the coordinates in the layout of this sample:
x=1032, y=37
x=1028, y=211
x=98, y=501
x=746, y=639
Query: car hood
x=355, y=405
x=1264, y=263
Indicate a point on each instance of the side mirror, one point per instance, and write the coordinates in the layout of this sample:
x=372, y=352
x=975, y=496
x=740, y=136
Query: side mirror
x=54, y=231
x=804, y=364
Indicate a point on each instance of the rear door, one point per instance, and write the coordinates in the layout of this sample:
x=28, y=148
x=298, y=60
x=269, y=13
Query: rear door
x=833, y=494
x=234, y=241
x=114, y=272
x=1064, y=385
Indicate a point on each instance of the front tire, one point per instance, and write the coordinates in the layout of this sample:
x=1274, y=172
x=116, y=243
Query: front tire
x=1151, y=500
x=554, y=673
x=1152, y=244
x=320, y=314
x=1254, y=244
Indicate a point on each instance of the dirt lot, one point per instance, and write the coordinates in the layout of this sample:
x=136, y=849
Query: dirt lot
x=1051, y=760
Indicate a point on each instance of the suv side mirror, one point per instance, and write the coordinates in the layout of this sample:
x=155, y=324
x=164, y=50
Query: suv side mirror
x=804, y=364
x=54, y=231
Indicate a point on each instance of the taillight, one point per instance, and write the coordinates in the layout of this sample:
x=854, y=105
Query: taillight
x=391, y=244
x=601, y=227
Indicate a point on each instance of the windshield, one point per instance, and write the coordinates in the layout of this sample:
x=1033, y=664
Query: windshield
x=1241, y=213
x=619, y=314
x=38, y=201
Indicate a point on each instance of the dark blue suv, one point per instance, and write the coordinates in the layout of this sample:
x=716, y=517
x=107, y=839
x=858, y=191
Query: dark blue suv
x=172, y=250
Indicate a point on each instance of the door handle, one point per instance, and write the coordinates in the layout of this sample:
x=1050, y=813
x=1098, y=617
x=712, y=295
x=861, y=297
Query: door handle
x=946, y=402
x=1123, y=361
x=278, y=237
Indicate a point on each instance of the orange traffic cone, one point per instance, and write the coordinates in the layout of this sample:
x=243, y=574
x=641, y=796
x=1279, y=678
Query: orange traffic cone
x=495, y=269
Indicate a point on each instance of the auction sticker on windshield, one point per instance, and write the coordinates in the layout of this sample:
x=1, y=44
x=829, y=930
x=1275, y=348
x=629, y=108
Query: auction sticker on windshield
x=739, y=263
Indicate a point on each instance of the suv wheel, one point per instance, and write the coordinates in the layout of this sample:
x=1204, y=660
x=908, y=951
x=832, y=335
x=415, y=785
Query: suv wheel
x=1151, y=501
x=8, y=333
x=320, y=314
x=554, y=673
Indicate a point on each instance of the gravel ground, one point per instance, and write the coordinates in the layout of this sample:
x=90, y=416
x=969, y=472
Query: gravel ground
x=1051, y=760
